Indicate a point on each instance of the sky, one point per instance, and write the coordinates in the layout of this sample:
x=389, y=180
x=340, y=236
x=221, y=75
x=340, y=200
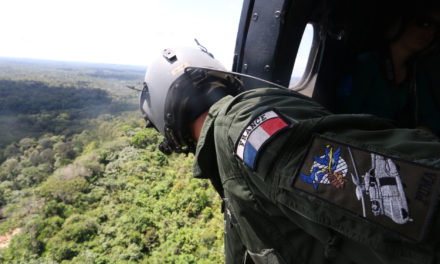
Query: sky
x=129, y=32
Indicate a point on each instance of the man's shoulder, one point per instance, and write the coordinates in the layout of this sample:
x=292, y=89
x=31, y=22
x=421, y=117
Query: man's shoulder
x=252, y=102
x=249, y=122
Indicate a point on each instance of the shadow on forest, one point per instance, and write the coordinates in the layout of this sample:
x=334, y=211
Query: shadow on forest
x=32, y=108
x=32, y=97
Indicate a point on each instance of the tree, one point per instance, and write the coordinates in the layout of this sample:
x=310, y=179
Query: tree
x=46, y=142
x=26, y=143
x=34, y=157
x=10, y=169
x=11, y=151
x=47, y=156
x=64, y=150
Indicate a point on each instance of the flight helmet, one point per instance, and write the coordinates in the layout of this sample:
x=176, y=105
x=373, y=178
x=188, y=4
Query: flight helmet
x=179, y=86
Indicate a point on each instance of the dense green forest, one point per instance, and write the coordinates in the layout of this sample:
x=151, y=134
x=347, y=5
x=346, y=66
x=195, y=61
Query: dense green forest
x=38, y=96
x=82, y=180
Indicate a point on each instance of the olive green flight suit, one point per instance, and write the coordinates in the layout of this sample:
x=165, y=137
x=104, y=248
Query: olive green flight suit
x=276, y=212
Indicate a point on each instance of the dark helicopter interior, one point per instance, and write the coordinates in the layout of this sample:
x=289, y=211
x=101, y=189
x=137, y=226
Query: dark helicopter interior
x=270, y=33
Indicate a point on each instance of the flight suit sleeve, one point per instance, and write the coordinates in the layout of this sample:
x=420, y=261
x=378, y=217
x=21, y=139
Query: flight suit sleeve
x=348, y=178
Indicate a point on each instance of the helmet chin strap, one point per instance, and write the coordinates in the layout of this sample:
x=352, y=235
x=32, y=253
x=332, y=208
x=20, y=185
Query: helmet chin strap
x=190, y=68
x=168, y=148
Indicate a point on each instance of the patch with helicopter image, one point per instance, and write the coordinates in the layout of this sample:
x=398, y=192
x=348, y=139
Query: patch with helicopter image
x=398, y=194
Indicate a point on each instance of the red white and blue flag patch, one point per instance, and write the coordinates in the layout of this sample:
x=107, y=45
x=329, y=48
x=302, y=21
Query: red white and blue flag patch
x=256, y=134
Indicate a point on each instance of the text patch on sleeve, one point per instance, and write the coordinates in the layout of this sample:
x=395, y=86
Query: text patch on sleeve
x=259, y=132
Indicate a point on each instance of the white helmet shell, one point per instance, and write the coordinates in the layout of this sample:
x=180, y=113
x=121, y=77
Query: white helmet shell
x=163, y=72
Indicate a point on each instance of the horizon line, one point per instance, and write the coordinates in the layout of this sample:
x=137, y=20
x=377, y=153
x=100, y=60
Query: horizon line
x=68, y=61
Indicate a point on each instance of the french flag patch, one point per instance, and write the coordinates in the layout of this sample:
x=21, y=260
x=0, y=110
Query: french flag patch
x=256, y=134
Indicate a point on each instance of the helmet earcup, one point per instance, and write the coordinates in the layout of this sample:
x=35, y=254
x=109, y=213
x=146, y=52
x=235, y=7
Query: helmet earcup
x=190, y=96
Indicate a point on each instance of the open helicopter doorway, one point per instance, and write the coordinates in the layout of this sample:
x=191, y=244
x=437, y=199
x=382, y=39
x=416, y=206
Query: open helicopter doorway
x=301, y=78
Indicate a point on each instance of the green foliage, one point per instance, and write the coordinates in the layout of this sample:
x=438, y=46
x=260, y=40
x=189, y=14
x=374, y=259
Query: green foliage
x=10, y=169
x=63, y=190
x=53, y=208
x=46, y=142
x=25, y=245
x=78, y=228
x=59, y=249
x=37, y=98
x=93, y=188
x=64, y=150
x=144, y=138
x=2, y=197
x=26, y=143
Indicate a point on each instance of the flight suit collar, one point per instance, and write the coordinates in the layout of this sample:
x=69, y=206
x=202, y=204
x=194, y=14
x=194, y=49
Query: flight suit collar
x=205, y=165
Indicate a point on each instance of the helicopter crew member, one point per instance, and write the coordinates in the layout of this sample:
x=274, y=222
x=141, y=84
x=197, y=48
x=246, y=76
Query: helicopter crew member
x=299, y=184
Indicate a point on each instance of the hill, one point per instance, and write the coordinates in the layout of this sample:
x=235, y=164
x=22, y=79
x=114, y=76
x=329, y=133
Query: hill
x=83, y=182
x=38, y=97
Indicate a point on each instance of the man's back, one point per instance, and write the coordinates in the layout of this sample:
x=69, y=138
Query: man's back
x=305, y=186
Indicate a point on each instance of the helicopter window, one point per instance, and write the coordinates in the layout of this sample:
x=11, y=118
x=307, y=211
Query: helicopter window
x=299, y=72
x=387, y=181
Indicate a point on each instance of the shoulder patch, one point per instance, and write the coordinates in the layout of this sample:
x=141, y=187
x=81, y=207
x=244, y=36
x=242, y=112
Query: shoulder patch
x=259, y=132
x=397, y=194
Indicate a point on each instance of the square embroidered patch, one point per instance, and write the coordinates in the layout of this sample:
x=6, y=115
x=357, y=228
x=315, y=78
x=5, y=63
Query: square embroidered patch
x=397, y=194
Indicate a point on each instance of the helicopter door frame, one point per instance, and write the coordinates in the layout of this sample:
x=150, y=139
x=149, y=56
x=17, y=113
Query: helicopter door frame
x=269, y=36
